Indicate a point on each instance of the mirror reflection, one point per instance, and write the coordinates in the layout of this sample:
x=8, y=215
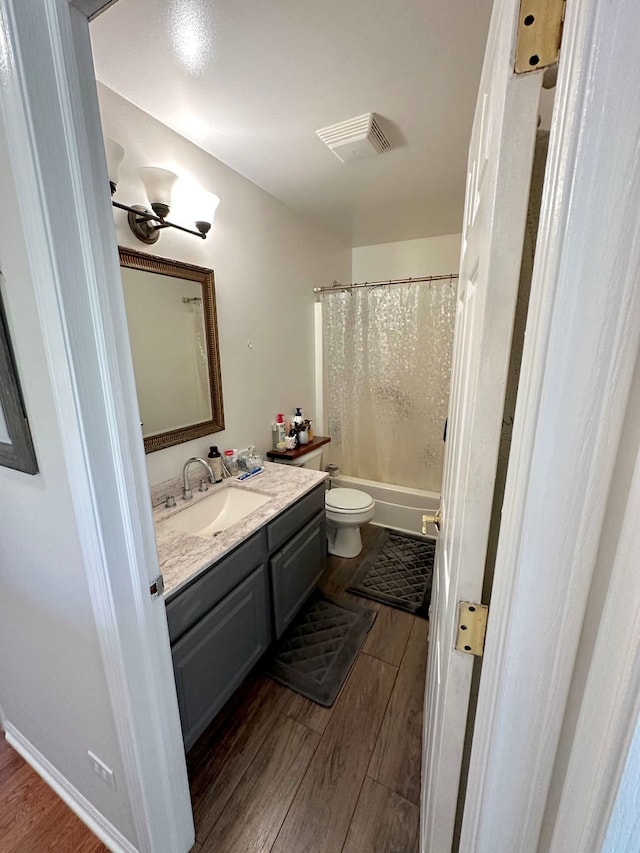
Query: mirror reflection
x=172, y=327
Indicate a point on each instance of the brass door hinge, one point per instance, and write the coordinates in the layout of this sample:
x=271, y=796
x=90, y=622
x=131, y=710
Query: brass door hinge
x=539, y=34
x=472, y=625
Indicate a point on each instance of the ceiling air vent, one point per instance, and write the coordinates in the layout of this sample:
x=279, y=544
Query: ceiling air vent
x=355, y=138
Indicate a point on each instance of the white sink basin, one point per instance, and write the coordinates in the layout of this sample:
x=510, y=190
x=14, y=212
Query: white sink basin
x=217, y=512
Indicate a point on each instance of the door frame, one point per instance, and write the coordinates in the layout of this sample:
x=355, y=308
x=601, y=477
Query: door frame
x=49, y=112
x=581, y=345
x=592, y=107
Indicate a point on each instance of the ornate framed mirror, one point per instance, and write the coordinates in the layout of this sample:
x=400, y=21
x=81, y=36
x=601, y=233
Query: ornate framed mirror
x=171, y=314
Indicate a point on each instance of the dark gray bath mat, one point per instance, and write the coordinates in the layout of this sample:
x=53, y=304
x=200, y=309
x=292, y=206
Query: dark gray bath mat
x=398, y=571
x=318, y=649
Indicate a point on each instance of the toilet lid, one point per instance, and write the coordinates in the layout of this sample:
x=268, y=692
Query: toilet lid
x=348, y=500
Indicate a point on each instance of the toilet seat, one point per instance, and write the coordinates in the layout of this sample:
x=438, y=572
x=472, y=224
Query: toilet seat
x=348, y=501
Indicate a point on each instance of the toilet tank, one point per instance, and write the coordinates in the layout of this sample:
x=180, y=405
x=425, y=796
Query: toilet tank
x=312, y=459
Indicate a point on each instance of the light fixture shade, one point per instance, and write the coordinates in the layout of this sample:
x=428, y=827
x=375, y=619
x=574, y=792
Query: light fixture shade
x=115, y=156
x=215, y=201
x=203, y=207
x=194, y=204
x=158, y=184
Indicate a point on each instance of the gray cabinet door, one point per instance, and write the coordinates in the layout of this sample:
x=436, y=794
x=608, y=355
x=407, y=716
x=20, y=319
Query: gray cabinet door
x=188, y=605
x=212, y=658
x=295, y=569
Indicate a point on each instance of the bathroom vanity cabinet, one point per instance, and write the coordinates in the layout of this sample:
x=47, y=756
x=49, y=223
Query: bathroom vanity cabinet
x=222, y=623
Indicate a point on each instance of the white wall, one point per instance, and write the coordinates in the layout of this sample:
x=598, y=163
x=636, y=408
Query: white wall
x=266, y=260
x=52, y=679
x=407, y=258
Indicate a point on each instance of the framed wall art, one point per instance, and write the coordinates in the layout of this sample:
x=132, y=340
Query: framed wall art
x=16, y=447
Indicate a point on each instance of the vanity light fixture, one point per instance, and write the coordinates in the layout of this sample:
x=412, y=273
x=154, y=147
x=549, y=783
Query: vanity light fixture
x=147, y=224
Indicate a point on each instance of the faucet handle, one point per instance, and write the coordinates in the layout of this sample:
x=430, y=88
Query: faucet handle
x=169, y=501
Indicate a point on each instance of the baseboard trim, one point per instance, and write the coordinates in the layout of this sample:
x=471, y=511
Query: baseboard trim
x=77, y=802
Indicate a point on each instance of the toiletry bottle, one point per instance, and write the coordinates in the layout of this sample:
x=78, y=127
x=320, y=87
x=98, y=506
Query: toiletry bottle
x=274, y=436
x=297, y=418
x=216, y=463
x=280, y=425
x=231, y=461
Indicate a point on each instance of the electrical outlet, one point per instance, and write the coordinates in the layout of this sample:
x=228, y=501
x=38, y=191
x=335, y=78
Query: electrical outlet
x=100, y=769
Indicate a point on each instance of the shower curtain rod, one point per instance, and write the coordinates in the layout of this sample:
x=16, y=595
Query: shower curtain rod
x=336, y=287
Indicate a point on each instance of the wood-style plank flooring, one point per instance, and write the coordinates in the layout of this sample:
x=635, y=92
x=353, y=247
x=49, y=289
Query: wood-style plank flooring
x=276, y=773
x=32, y=816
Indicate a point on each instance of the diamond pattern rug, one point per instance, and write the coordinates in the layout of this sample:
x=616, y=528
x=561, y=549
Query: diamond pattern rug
x=398, y=571
x=318, y=649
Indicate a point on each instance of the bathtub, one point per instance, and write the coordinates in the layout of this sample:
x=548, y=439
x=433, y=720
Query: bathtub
x=398, y=507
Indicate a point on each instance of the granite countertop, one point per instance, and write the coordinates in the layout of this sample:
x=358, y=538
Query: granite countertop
x=182, y=556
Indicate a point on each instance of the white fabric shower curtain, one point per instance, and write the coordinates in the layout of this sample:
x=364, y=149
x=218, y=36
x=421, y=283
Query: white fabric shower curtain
x=387, y=368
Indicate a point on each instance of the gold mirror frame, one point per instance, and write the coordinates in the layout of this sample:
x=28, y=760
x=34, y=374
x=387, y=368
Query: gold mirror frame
x=164, y=266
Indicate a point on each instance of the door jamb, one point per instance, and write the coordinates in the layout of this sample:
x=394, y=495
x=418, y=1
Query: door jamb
x=580, y=351
x=49, y=109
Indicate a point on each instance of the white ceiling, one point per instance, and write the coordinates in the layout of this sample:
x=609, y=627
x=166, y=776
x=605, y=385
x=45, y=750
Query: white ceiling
x=251, y=82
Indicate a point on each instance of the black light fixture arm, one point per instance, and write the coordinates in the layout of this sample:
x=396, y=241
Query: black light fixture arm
x=158, y=222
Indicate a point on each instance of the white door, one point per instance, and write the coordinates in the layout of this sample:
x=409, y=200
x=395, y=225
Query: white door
x=499, y=172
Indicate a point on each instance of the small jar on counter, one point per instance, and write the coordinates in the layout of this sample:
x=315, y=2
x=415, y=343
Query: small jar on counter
x=231, y=461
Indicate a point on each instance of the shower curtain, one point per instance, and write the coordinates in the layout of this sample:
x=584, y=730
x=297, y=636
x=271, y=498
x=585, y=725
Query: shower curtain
x=201, y=362
x=387, y=373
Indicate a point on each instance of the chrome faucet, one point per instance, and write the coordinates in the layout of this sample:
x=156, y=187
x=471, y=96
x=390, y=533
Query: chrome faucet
x=187, y=494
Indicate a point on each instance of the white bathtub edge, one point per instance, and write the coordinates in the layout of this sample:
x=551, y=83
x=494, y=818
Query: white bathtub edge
x=397, y=507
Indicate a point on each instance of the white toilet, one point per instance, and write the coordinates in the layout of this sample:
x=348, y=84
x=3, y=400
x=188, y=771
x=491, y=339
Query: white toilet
x=347, y=510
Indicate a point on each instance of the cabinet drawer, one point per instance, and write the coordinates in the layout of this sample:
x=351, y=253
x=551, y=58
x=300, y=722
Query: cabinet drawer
x=209, y=588
x=211, y=660
x=291, y=520
x=295, y=569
